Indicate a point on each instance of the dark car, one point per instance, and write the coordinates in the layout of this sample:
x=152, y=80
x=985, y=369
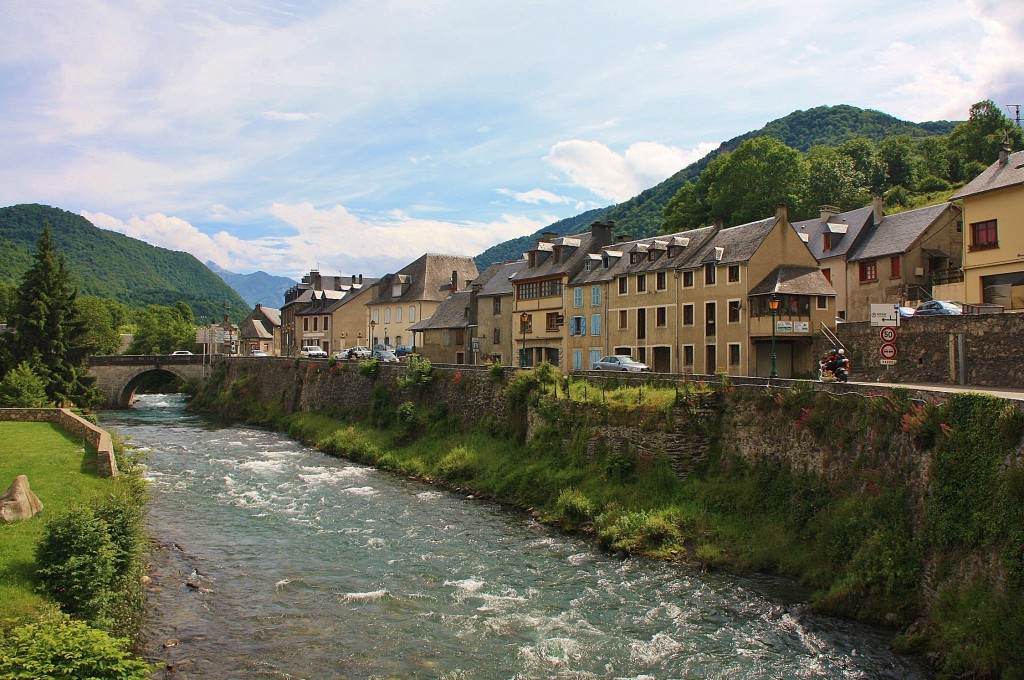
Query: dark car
x=403, y=350
x=620, y=362
x=937, y=307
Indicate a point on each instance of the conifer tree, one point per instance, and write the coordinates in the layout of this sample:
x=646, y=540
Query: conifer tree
x=47, y=330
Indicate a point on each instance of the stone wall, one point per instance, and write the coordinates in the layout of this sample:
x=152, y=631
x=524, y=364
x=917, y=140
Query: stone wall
x=928, y=350
x=98, y=439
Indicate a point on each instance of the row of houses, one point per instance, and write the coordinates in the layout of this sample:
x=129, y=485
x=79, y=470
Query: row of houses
x=708, y=300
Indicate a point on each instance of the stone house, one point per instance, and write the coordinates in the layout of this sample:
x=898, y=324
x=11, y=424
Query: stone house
x=261, y=330
x=492, y=321
x=697, y=301
x=414, y=293
x=899, y=258
x=297, y=301
x=444, y=337
x=993, y=210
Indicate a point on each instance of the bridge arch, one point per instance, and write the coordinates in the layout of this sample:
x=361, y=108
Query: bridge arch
x=119, y=376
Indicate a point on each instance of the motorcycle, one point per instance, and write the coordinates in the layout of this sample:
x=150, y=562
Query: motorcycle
x=828, y=375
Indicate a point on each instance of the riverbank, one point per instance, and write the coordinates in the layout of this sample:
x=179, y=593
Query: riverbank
x=893, y=511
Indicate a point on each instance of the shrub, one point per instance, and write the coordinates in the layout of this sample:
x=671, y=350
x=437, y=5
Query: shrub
x=60, y=647
x=419, y=374
x=23, y=388
x=369, y=369
x=497, y=372
x=573, y=508
x=457, y=464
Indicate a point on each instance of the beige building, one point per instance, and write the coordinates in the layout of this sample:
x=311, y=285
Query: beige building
x=316, y=289
x=697, y=301
x=993, y=214
x=413, y=294
x=492, y=320
x=261, y=330
x=444, y=337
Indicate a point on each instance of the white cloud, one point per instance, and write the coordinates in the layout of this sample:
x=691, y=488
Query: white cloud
x=618, y=177
x=535, y=196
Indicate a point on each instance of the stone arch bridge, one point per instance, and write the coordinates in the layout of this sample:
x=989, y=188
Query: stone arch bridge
x=119, y=375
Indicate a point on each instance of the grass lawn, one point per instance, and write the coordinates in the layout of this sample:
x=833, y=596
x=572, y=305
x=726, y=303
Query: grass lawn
x=61, y=472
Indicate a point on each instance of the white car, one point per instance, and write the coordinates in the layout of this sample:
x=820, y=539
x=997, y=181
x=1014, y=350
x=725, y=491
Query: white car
x=313, y=352
x=620, y=362
x=258, y=353
x=181, y=353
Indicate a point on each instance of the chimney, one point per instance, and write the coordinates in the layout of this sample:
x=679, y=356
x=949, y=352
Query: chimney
x=1004, y=151
x=719, y=223
x=548, y=236
x=827, y=211
x=877, y=214
x=353, y=279
x=602, y=233
x=622, y=238
x=455, y=280
x=360, y=278
x=782, y=212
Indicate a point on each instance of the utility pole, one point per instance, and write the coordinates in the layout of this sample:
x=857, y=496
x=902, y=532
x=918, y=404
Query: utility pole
x=1016, y=112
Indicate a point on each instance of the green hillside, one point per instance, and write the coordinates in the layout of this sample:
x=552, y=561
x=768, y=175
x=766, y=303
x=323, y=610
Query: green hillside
x=110, y=265
x=643, y=214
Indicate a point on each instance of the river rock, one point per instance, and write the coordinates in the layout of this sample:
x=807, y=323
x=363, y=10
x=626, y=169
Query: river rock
x=18, y=502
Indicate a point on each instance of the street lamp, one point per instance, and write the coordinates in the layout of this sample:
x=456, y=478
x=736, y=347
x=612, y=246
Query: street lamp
x=373, y=340
x=773, y=305
x=524, y=319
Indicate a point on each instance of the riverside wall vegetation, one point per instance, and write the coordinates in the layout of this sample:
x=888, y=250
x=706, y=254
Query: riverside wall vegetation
x=97, y=438
x=890, y=508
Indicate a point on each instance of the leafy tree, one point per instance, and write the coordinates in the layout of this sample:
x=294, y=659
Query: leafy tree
x=897, y=155
x=865, y=161
x=161, y=330
x=100, y=321
x=754, y=179
x=47, y=329
x=833, y=179
x=978, y=138
x=23, y=388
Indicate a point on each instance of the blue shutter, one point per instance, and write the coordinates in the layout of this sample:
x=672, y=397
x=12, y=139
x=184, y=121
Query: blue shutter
x=595, y=356
x=572, y=326
x=583, y=325
x=595, y=324
x=577, y=359
x=595, y=296
x=577, y=297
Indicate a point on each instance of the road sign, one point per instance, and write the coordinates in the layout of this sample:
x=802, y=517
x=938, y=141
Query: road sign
x=885, y=315
x=888, y=334
x=888, y=362
x=887, y=350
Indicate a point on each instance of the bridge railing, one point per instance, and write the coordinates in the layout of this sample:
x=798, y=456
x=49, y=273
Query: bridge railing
x=147, y=359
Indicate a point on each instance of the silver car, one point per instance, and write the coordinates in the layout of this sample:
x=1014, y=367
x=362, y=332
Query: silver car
x=620, y=362
x=385, y=355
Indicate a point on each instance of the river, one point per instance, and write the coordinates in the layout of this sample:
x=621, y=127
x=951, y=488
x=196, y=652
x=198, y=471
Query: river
x=276, y=561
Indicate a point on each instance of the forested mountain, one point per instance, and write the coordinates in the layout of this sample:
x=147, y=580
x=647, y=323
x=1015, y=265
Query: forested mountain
x=514, y=249
x=643, y=214
x=258, y=288
x=109, y=265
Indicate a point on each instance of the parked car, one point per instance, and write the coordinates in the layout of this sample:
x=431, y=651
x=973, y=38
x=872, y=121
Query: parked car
x=385, y=355
x=258, y=353
x=906, y=312
x=403, y=350
x=357, y=352
x=938, y=307
x=313, y=352
x=620, y=362
x=181, y=353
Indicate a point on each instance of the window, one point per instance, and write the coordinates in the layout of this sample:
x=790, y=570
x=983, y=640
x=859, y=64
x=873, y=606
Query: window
x=595, y=296
x=623, y=285
x=552, y=321
x=526, y=326
x=661, y=280
x=527, y=291
x=387, y=315
x=894, y=266
x=460, y=338
x=734, y=311
x=577, y=359
x=868, y=271
x=983, y=235
x=376, y=315
x=709, y=274
x=641, y=283
x=398, y=315
x=595, y=324
x=497, y=305
x=688, y=355
x=412, y=314
x=577, y=297
x=327, y=323
x=578, y=325
x=827, y=273
x=316, y=322
x=305, y=323
x=661, y=317
x=688, y=315
x=551, y=288
x=709, y=318
x=623, y=319
x=827, y=244
x=822, y=302
x=688, y=279
x=734, y=354
x=734, y=273
x=641, y=324
x=497, y=336
x=595, y=356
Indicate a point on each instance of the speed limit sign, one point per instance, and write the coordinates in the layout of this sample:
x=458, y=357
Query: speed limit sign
x=888, y=334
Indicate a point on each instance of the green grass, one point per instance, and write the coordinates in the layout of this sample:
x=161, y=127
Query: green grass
x=61, y=472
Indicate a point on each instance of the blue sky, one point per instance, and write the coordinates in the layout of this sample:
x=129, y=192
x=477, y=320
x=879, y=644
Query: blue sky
x=355, y=135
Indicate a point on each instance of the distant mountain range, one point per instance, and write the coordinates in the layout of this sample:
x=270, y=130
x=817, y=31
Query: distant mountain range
x=114, y=266
x=643, y=214
x=258, y=288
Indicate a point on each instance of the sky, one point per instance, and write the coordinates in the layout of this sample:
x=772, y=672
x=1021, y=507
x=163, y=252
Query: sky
x=353, y=136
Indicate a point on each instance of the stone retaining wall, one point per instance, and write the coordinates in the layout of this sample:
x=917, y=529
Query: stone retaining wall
x=98, y=439
x=929, y=350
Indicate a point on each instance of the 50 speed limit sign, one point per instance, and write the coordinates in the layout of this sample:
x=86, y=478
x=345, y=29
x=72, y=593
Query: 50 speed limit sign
x=888, y=334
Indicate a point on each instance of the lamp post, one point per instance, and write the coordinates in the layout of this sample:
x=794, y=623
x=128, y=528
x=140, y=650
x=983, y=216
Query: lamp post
x=373, y=340
x=773, y=305
x=524, y=319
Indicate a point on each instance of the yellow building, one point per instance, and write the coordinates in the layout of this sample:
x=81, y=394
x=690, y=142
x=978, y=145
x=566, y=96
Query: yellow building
x=492, y=322
x=993, y=234
x=697, y=301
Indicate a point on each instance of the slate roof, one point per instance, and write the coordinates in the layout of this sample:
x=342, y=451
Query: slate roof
x=495, y=279
x=815, y=229
x=428, y=278
x=996, y=176
x=896, y=233
x=451, y=313
x=254, y=328
x=789, y=279
x=738, y=243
